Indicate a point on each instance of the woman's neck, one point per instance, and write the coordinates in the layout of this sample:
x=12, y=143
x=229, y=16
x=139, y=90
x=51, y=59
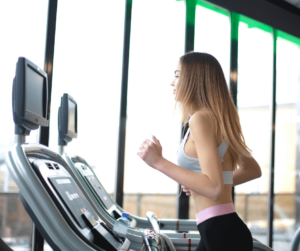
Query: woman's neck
x=195, y=109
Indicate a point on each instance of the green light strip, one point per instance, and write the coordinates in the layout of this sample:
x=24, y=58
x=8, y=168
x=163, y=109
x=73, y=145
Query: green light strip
x=252, y=23
x=212, y=7
x=288, y=37
x=255, y=24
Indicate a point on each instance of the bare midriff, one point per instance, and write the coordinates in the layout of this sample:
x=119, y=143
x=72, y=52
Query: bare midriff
x=201, y=202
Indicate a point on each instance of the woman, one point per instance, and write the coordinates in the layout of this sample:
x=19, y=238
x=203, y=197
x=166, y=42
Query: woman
x=209, y=153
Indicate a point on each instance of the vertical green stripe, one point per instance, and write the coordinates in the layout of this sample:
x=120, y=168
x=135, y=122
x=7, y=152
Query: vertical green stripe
x=235, y=17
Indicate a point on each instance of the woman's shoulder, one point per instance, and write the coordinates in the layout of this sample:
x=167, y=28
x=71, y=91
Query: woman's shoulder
x=203, y=127
x=201, y=117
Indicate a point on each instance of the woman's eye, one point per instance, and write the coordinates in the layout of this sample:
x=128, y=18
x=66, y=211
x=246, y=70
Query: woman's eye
x=176, y=76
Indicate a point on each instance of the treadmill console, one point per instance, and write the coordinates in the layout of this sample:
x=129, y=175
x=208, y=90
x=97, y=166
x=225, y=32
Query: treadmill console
x=73, y=199
x=74, y=206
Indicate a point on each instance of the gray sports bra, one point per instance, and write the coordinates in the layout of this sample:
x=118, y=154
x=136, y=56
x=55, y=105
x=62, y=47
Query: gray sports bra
x=192, y=164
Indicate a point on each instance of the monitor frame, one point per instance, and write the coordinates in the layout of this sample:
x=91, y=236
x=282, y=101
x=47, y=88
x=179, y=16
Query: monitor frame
x=64, y=134
x=26, y=120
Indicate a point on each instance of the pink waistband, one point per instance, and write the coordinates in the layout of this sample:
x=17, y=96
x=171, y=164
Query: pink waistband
x=214, y=211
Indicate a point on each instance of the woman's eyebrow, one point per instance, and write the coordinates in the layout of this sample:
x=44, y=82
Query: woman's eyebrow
x=176, y=70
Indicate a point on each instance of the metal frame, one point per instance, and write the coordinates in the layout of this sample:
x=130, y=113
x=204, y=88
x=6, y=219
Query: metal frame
x=119, y=185
x=37, y=238
x=233, y=82
x=48, y=67
x=234, y=33
x=272, y=148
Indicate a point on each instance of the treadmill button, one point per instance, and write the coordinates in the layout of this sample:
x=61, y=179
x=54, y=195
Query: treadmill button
x=56, y=166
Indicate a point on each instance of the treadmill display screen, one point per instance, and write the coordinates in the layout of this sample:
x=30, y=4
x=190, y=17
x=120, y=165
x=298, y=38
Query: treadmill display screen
x=94, y=182
x=71, y=123
x=73, y=199
x=34, y=92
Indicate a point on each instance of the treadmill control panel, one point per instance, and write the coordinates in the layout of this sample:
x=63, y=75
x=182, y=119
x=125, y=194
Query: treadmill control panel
x=74, y=205
x=95, y=184
x=72, y=197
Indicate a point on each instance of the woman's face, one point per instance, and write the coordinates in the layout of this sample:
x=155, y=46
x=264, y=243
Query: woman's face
x=176, y=78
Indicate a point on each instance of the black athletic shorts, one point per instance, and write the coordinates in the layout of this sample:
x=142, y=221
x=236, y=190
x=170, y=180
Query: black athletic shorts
x=224, y=233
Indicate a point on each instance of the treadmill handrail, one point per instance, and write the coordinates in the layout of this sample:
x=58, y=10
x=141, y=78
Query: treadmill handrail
x=295, y=241
x=153, y=221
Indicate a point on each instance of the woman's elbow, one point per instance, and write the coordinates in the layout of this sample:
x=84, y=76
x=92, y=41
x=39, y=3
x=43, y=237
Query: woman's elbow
x=256, y=168
x=258, y=173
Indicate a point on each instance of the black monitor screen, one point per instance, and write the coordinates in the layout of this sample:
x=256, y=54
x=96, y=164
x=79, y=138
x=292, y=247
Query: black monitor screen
x=34, y=92
x=71, y=123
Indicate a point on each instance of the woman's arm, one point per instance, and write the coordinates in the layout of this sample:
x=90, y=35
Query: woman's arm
x=198, y=182
x=210, y=182
x=250, y=171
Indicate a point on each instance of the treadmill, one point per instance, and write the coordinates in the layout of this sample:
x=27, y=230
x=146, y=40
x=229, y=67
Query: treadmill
x=104, y=205
x=51, y=197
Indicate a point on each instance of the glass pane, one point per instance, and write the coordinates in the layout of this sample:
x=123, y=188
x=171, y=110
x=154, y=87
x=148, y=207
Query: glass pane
x=23, y=33
x=286, y=208
x=156, y=45
x=252, y=209
x=139, y=204
x=88, y=66
x=254, y=92
x=212, y=34
x=16, y=225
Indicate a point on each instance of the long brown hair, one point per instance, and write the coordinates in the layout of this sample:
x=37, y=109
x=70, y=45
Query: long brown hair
x=202, y=84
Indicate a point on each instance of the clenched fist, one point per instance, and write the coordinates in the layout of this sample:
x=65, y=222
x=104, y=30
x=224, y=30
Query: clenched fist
x=151, y=152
